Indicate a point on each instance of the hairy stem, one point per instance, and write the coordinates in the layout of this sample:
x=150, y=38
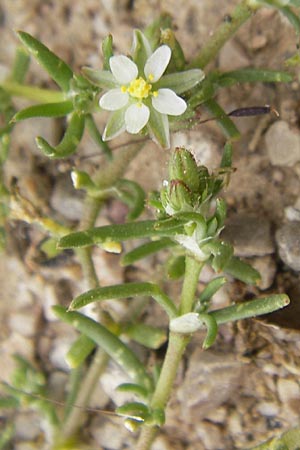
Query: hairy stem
x=176, y=348
x=33, y=93
x=105, y=177
x=226, y=30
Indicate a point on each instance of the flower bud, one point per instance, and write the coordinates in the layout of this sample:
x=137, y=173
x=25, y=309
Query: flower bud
x=183, y=167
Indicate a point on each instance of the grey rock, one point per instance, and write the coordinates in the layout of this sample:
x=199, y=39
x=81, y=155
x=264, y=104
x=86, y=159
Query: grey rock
x=250, y=235
x=283, y=144
x=66, y=200
x=288, y=241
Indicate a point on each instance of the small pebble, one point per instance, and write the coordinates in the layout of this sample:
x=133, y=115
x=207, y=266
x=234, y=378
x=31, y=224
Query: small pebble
x=288, y=241
x=283, y=144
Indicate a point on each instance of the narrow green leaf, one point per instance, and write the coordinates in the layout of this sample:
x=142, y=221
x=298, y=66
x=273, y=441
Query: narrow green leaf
x=227, y=155
x=136, y=389
x=150, y=337
x=253, y=76
x=292, y=18
x=58, y=70
x=242, y=271
x=107, y=50
x=20, y=65
x=69, y=142
x=225, y=123
x=133, y=195
x=79, y=351
x=121, y=232
x=110, y=343
x=212, y=330
x=146, y=250
x=96, y=136
x=8, y=402
x=125, y=291
x=44, y=110
x=252, y=308
x=134, y=410
x=210, y=289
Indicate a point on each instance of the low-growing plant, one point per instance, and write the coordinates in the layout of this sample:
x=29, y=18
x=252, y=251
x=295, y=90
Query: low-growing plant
x=149, y=94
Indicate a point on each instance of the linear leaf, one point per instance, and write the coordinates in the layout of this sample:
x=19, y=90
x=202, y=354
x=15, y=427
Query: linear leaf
x=69, y=142
x=110, y=343
x=58, y=70
x=125, y=291
x=121, y=232
x=44, y=110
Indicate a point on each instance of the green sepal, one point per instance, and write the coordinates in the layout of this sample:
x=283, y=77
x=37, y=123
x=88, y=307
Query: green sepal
x=115, y=124
x=125, y=291
x=58, y=70
x=96, y=136
x=225, y=123
x=101, y=78
x=183, y=166
x=221, y=211
x=79, y=351
x=158, y=126
x=175, y=267
x=145, y=250
x=251, y=308
x=107, y=51
x=153, y=31
x=121, y=232
x=253, y=76
x=242, y=271
x=69, y=142
x=177, y=61
x=135, y=389
x=181, y=82
x=141, y=50
x=44, y=110
x=146, y=335
x=109, y=342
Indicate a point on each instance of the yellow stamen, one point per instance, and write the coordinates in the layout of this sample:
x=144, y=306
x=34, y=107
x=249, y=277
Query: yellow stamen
x=155, y=93
x=151, y=77
x=139, y=88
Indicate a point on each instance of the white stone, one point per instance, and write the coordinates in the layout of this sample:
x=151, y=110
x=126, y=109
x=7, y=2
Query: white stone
x=283, y=144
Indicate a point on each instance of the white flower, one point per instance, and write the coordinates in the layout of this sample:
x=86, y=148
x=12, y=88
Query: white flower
x=139, y=94
x=135, y=94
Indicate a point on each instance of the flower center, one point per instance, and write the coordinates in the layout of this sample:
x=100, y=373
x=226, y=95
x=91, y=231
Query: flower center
x=139, y=88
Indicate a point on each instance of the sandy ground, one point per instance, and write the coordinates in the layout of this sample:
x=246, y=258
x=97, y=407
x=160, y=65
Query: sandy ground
x=246, y=388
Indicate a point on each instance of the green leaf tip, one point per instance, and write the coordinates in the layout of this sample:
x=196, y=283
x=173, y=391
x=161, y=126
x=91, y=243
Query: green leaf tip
x=58, y=70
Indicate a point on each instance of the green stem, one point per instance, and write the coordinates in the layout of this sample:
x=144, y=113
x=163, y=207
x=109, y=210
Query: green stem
x=190, y=282
x=176, y=348
x=87, y=387
x=226, y=30
x=33, y=93
x=106, y=177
